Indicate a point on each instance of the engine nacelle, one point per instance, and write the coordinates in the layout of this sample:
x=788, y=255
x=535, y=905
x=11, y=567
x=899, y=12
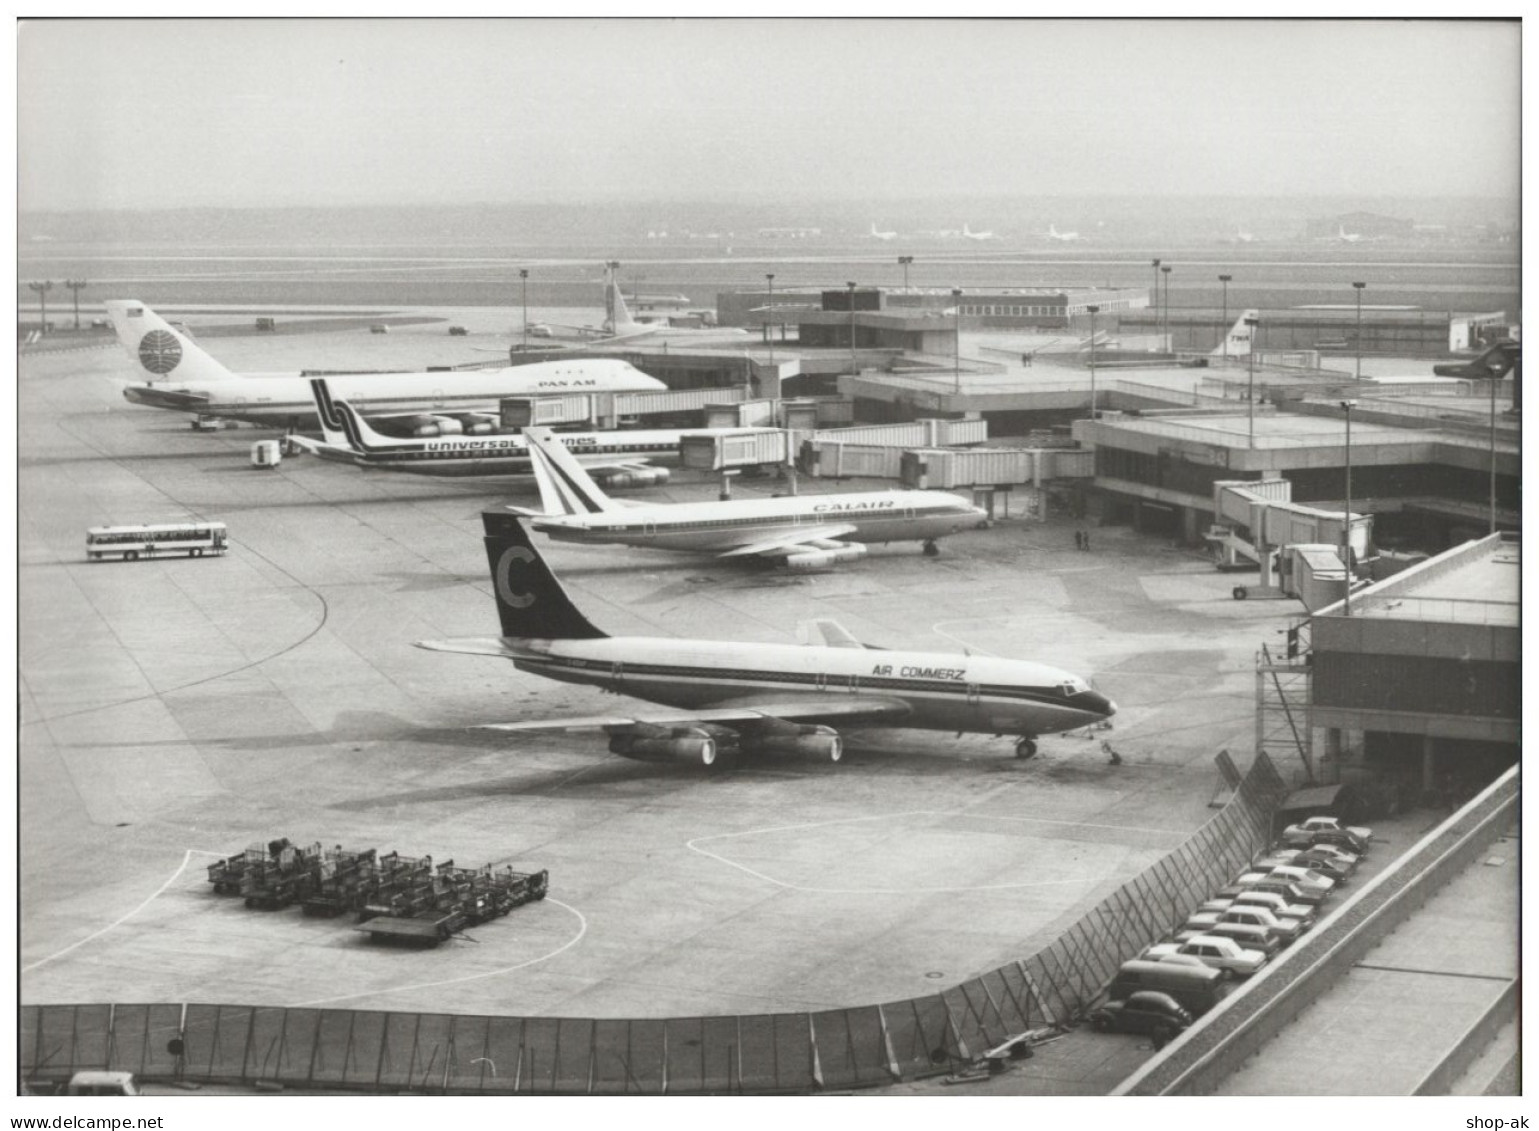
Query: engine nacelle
x=480, y=427
x=698, y=746
x=439, y=426
x=821, y=559
x=807, y=743
x=633, y=477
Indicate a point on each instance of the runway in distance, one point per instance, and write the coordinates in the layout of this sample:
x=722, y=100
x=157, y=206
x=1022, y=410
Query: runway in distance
x=616, y=459
x=798, y=531
x=731, y=699
x=178, y=375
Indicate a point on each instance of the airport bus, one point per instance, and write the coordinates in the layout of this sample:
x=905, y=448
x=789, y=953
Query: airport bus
x=129, y=543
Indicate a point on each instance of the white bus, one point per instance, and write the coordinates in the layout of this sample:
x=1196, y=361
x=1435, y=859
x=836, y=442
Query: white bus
x=129, y=543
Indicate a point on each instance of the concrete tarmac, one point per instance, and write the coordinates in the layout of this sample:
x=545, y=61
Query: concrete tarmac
x=177, y=710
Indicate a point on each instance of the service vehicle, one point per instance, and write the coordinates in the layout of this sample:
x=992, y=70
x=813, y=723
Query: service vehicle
x=1327, y=830
x=1217, y=951
x=130, y=543
x=1147, y=1011
x=100, y=1083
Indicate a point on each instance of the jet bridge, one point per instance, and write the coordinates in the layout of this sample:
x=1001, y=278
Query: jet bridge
x=1297, y=547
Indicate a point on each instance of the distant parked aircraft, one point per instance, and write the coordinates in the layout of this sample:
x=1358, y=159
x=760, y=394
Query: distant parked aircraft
x=882, y=235
x=968, y=233
x=1344, y=236
x=1066, y=237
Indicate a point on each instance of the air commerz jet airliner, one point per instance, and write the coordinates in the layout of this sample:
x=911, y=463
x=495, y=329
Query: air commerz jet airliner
x=727, y=698
x=800, y=531
x=178, y=375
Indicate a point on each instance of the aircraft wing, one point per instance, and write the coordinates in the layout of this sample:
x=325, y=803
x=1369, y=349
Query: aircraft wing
x=791, y=709
x=791, y=540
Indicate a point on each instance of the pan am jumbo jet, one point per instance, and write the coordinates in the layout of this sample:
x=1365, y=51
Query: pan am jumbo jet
x=617, y=459
x=799, y=531
x=731, y=698
x=180, y=376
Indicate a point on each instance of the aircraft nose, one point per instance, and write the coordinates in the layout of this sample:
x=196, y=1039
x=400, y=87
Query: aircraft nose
x=1095, y=703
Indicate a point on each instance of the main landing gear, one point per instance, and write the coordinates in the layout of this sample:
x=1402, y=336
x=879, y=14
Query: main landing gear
x=1025, y=747
x=931, y=550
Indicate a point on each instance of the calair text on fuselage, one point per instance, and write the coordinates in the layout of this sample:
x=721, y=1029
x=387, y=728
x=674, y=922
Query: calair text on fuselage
x=880, y=505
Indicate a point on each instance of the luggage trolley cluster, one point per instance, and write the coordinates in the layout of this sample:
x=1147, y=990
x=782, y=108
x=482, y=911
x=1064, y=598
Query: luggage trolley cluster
x=401, y=899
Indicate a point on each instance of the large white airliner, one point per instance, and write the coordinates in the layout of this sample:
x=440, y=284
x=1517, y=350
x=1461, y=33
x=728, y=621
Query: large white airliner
x=620, y=326
x=799, y=531
x=178, y=375
x=725, y=698
x=617, y=459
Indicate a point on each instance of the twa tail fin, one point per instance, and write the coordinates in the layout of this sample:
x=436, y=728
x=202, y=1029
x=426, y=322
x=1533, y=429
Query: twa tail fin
x=565, y=486
x=531, y=603
x=1241, y=339
x=161, y=352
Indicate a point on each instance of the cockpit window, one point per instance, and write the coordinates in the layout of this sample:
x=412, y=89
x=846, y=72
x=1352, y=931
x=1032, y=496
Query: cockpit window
x=1072, y=687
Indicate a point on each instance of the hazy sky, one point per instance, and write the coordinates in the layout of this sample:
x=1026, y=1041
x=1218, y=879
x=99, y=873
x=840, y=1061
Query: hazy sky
x=175, y=113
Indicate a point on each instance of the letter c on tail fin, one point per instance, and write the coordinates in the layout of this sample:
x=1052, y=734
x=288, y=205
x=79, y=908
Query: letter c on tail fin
x=531, y=603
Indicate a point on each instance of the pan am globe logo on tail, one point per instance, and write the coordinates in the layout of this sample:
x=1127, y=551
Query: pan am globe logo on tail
x=160, y=352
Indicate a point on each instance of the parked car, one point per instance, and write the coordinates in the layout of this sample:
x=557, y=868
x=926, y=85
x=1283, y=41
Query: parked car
x=1278, y=906
x=1169, y=953
x=1147, y=1011
x=1248, y=935
x=1265, y=881
x=1196, y=988
x=1286, y=929
x=1327, y=830
x=1217, y=951
x=1327, y=857
x=1305, y=878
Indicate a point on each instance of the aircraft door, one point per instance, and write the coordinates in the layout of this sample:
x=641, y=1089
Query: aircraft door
x=438, y=398
x=617, y=673
x=974, y=696
x=854, y=684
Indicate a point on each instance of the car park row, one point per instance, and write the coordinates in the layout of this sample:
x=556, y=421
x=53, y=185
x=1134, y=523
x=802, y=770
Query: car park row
x=1234, y=934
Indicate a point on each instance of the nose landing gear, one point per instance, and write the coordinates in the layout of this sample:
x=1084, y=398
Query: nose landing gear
x=1025, y=747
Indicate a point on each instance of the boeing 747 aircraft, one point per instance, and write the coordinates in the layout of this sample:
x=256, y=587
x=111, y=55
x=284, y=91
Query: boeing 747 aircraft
x=731, y=698
x=798, y=531
x=178, y=375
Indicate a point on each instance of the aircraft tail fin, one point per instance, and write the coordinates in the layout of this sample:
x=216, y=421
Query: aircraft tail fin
x=617, y=316
x=1241, y=339
x=531, y=603
x=161, y=352
x=565, y=485
x=341, y=423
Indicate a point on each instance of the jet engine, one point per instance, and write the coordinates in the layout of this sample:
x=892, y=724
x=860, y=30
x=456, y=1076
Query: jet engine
x=699, y=745
x=807, y=743
x=632, y=477
x=821, y=559
x=439, y=426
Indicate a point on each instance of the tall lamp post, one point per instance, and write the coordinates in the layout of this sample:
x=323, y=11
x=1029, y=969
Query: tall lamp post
x=956, y=356
x=1358, y=287
x=854, y=367
x=523, y=277
x=1346, y=527
x=769, y=319
x=1494, y=380
x=1169, y=342
x=903, y=262
x=1223, y=328
x=1250, y=388
x=76, y=285
x=1158, y=322
x=42, y=290
x=1094, y=310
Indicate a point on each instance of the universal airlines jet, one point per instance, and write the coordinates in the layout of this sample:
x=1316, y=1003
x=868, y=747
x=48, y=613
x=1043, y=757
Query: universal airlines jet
x=180, y=376
x=800, y=531
x=617, y=459
x=725, y=698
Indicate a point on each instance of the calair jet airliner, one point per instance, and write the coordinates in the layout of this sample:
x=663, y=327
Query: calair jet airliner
x=727, y=698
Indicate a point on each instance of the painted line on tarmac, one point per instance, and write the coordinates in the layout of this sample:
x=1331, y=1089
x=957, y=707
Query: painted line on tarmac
x=186, y=859
x=694, y=846
x=582, y=930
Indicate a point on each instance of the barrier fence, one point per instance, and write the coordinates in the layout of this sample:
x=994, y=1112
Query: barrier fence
x=856, y=1047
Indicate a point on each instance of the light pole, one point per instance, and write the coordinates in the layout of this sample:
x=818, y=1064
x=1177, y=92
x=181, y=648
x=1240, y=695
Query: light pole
x=76, y=285
x=1494, y=379
x=1250, y=388
x=42, y=290
x=1223, y=328
x=854, y=368
x=1169, y=343
x=1094, y=310
x=523, y=276
x=956, y=356
x=769, y=321
x=1358, y=287
x=904, y=261
x=1346, y=527
x=1156, y=295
